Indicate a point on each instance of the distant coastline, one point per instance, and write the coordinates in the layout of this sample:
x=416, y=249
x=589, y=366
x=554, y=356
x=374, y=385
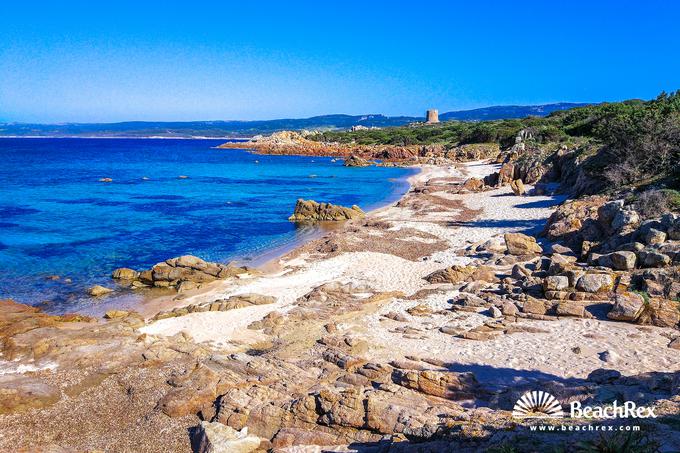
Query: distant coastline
x=239, y=129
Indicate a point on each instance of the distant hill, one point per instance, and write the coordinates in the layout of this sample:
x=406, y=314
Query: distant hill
x=249, y=128
x=504, y=112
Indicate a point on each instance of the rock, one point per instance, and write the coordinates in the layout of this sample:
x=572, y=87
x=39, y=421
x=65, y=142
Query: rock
x=595, y=283
x=561, y=250
x=474, y=185
x=608, y=211
x=654, y=236
x=621, y=260
x=356, y=161
x=520, y=271
x=627, y=307
x=555, y=283
x=115, y=314
x=495, y=312
x=20, y=393
x=508, y=308
x=609, y=356
x=517, y=187
x=506, y=174
x=521, y=244
x=651, y=258
x=603, y=376
x=98, y=290
x=675, y=344
x=213, y=437
x=444, y=384
x=625, y=218
x=123, y=273
x=191, y=392
x=570, y=308
x=662, y=313
x=534, y=306
x=105, y=180
x=494, y=245
x=453, y=274
x=310, y=210
x=560, y=264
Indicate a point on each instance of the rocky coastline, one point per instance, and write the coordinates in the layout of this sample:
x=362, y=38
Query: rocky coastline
x=413, y=328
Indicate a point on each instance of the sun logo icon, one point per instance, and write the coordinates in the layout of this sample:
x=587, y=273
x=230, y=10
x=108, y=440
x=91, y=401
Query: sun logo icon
x=537, y=404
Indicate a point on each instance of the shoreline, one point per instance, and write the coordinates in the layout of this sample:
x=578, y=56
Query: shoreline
x=267, y=262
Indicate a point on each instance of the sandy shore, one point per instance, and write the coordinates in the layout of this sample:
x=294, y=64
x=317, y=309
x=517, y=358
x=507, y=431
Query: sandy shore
x=460, y=220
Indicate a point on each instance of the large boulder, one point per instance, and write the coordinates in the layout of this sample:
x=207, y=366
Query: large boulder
x=595, y=283
x=521, y=244
x=627, y=307
x=652, y=258
x=124, y=273
x=621, y=260
x=311, y=211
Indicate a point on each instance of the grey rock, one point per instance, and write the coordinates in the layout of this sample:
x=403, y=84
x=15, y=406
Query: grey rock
x=621, y=260
x=626, y=218
x=555, y=283
x=608, y=211
x=594, y=283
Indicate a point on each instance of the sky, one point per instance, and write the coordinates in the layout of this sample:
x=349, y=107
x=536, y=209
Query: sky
x=111, y=61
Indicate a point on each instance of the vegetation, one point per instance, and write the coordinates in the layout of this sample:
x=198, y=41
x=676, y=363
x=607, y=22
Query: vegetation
x=635, y=142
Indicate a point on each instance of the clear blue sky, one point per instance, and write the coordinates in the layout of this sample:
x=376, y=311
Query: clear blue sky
x=116, y=60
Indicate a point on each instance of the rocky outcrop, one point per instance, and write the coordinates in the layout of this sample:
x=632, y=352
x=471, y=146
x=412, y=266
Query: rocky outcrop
x=356, y=161
x=233, y=302
x=311, y=211
x=183, y=272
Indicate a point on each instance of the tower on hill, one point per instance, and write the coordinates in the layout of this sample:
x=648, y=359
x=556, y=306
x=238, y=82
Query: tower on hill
x=432, y=116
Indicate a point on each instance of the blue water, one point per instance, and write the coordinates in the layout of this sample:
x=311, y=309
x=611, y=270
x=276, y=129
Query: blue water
x=56, y=218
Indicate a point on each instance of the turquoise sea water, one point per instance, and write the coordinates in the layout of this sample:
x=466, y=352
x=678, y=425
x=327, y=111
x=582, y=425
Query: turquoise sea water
x=56, y=218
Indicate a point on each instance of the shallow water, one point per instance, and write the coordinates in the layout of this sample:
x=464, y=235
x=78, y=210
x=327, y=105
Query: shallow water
x=57, y=218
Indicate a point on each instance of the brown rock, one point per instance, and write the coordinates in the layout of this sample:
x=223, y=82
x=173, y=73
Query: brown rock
x=517, y=187
x=194, y=390
x=309, y=210
x=98, y=290
x=570, y=308
x=627, y=307
x=521, y=244
x=444, y=384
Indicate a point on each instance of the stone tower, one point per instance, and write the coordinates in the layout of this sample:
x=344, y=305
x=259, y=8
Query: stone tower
x=432, y=116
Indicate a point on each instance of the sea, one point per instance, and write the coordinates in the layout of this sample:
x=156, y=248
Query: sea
x=63, y=229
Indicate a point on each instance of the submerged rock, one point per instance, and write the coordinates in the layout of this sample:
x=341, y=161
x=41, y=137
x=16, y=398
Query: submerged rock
x=98, y=290
x=310, y=210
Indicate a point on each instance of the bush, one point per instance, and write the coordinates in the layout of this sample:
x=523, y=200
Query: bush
x=651, y=203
